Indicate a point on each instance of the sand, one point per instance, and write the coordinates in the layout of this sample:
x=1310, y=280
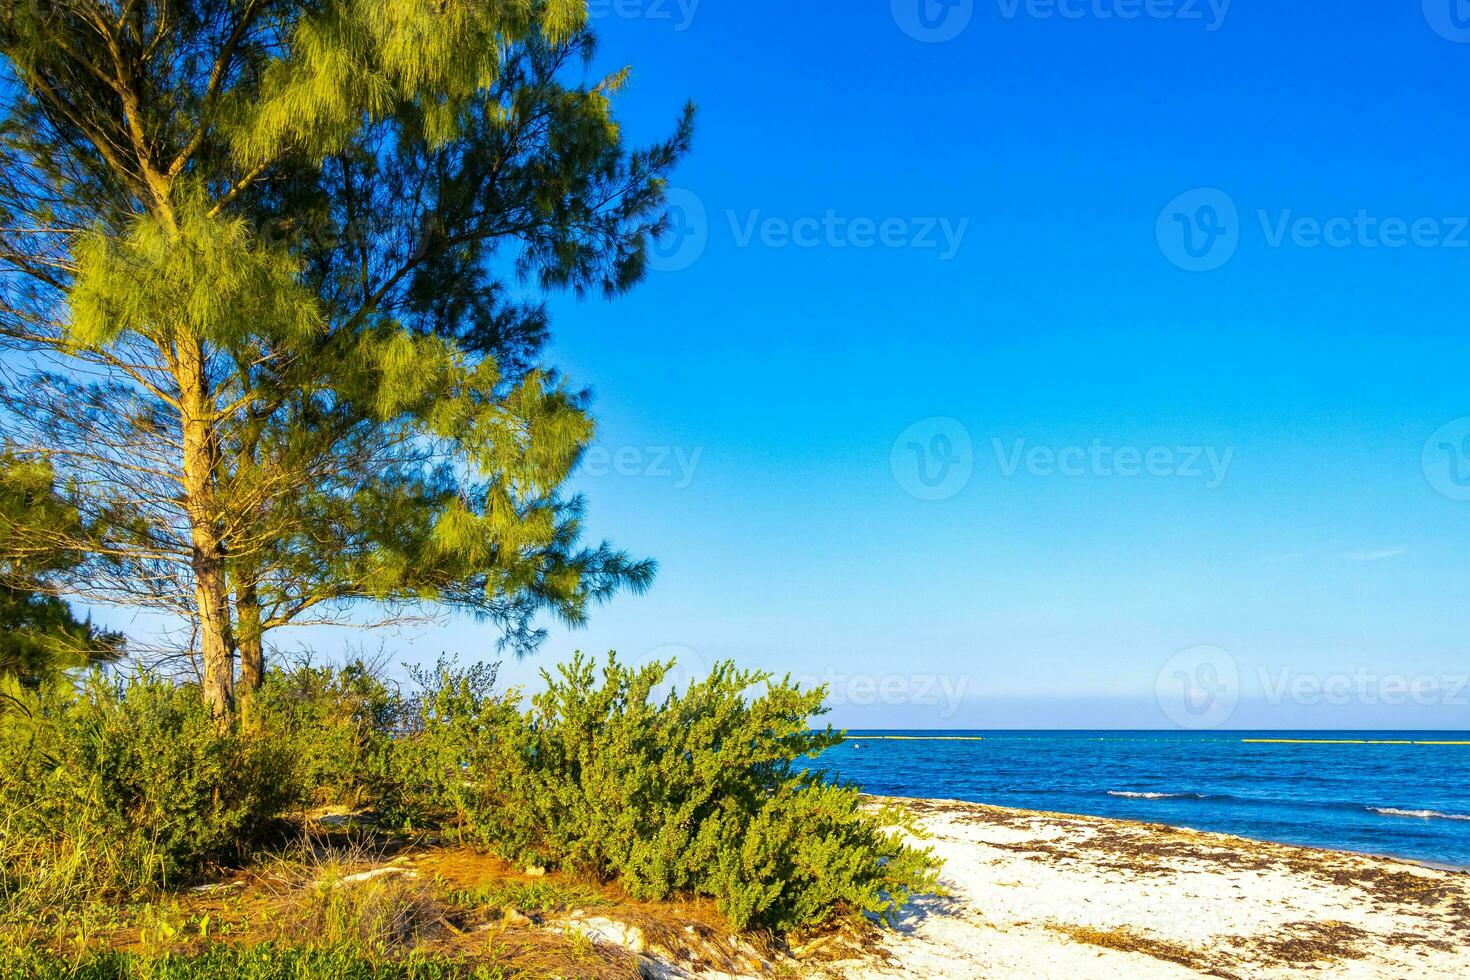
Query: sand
x=1040, y=895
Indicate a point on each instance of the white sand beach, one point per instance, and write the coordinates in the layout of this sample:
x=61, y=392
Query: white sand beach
x=1040, y=895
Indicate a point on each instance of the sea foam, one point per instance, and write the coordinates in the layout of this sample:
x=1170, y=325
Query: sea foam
x=1150, y=796
x=1421, y=814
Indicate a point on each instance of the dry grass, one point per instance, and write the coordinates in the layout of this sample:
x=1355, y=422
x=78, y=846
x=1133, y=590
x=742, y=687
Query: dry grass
x=687, y=930
x=1127, y=941
x=447, y=902
x=1303, y=943
x=394, y=911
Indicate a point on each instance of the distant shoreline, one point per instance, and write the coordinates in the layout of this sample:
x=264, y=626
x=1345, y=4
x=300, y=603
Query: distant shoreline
x=855, y=736
x=1304, y=734
x=918, y=738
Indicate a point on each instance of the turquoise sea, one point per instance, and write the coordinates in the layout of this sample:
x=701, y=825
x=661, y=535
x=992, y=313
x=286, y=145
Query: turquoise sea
x=1407, y=800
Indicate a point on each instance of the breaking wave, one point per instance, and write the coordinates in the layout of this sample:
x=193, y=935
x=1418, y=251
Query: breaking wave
x=1421, y=814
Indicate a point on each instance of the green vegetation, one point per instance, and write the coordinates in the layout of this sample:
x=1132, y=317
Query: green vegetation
x=340, y=723
x=40, y=639
x=266, y=962
x=535, y=897
x=126, y=787
x=274, y=342
x=275, y=275
x=695, y=793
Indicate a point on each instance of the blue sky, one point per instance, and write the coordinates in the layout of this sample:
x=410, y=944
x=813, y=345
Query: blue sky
x=971, y=252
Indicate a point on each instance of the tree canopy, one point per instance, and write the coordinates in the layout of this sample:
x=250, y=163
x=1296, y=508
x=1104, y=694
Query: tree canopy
x=272, y=276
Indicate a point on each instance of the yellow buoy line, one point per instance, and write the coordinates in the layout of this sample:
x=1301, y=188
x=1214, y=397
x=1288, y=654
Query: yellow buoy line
x=1254, y=741
x=917, y=738
x=1349, y=741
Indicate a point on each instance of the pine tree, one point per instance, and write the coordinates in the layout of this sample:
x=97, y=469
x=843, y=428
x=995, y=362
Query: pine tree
x=273, y=272
x=40, y=638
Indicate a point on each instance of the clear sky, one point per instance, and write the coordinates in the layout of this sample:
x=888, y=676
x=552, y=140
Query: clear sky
x=947, y=275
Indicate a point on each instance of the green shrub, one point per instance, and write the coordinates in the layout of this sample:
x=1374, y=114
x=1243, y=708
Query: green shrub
x=695, y=792
x=453, y=717
x=127, y=784
x=810, y=850
x=130, y=784
x=339, y=724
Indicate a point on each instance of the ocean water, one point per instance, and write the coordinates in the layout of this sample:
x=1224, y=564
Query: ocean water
x=1409, y=801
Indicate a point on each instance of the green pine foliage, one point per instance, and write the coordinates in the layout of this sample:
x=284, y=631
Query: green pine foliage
x=280, y=270
x=40, y=639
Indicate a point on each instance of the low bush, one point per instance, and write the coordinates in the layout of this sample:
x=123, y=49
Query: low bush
x=453, y=717
x=696, y=791
x=126, y=784
x=129, y=784
x=340, y=724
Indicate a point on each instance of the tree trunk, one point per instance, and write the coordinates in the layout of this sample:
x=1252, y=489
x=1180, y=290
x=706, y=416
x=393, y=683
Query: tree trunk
x=211, y=590
x=248, y=635
x=214, y=629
